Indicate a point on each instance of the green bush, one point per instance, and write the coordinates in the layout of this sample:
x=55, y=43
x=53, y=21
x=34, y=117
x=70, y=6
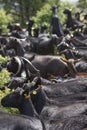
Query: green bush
x=3, y=59
x=61, y=8
x=10, y=110
x=4, y=78
x=4, y=20
x=4, y=74
x=43, y=16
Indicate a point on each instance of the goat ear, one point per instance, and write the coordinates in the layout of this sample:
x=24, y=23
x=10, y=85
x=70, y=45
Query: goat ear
x=39, y=85
x=26, y=91
x=15, y=40
x=14, y=60
x=75, y=61
x=26, y=94
x=37, y=81
x=28, y=81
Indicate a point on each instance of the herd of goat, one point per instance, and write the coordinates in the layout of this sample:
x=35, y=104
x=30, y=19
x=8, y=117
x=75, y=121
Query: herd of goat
x=50, y=89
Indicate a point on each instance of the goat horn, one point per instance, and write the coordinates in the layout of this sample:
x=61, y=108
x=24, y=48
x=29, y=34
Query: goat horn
x=77, y=60
x=17, y=59
x=64, y=59
x=31, y=66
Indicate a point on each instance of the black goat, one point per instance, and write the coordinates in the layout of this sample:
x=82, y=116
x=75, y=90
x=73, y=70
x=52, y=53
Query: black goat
x=21, y=99
x=73, y=123
x=38, y=96
x=16, y=82
x=15, y=43
x=66, y=87
x=21, y=67
x=56, y=25
x=19, y=122
x=70, y=22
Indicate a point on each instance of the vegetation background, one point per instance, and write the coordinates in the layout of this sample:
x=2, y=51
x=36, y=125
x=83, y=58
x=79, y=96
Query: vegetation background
x=19, y=11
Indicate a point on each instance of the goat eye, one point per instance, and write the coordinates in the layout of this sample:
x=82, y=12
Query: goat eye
x=11, y=95
x=14, y=94
x=14, y=61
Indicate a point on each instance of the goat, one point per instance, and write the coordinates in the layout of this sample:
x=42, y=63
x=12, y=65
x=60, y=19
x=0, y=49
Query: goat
x=19, y=122
x=20, y=99
x=16, y=82
x=56, y=25
x=73, y=123
x=21, y=67
x=42, y=65
x=50, y=112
